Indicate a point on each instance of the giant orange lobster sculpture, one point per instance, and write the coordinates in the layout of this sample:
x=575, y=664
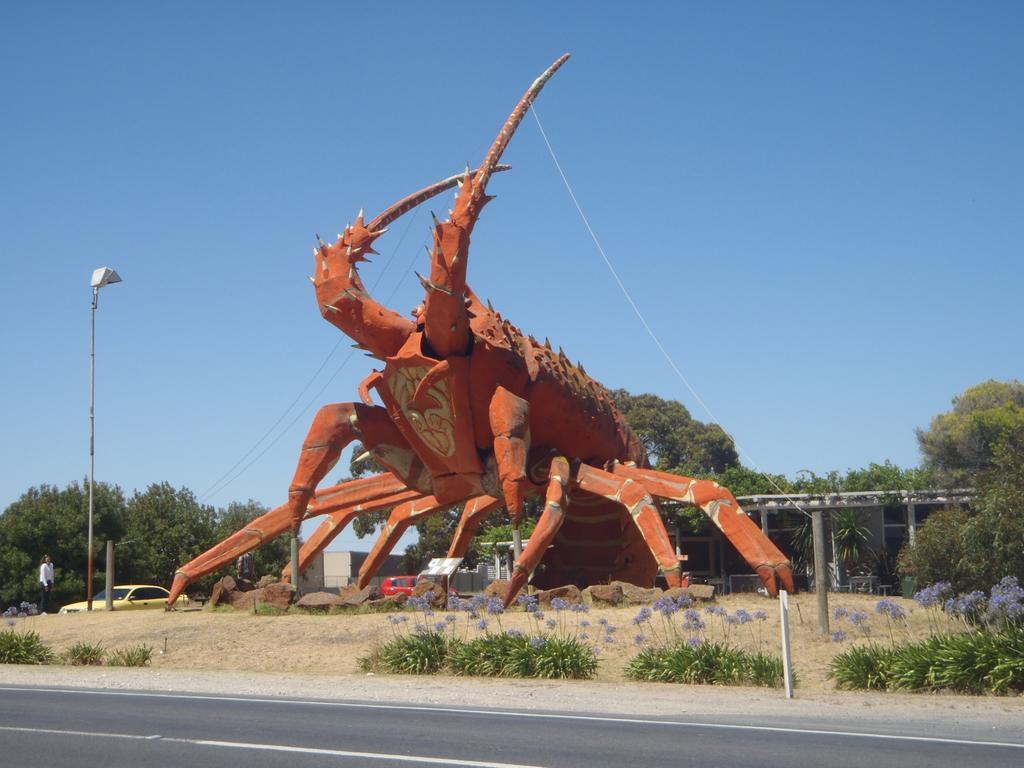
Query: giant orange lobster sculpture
x=475, y=412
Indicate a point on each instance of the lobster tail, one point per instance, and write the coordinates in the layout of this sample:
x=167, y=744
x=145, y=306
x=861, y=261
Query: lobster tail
x=445, y=316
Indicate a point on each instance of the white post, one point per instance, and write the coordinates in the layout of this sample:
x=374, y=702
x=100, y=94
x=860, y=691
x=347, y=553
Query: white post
x=787, y=657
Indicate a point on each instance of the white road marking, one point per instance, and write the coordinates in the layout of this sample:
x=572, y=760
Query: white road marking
x=421, y=760
x=526, y=715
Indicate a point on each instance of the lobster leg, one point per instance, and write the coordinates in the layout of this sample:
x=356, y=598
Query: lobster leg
x=401, y=518
x=473, y=514
x=336, y=522
x=555, y=501
x=635, y=498
x=333, y=428
x=721, y=506
x=509, y=417
x=277, y=521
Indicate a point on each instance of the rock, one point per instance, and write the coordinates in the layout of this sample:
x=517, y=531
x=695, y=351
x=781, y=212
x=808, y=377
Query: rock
x=701, y=591
x=353, y=595
x=244, y=585
x=608, y=594
x=634, y=595
x=431, y=591
x=218, y=594
x=570, y=593
x=266, y=581
x=394, y=602
x=318, y=601
x=276, y=595
x=497, y=588
x=244, y=601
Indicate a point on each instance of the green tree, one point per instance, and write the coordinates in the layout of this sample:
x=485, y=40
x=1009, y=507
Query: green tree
x=49, y=520
x=674, y=440
x=938, y=550
x=961, y=443
x=994, y=536
x=164, y=527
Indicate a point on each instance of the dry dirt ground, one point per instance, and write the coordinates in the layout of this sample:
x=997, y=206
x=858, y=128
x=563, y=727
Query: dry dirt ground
x=317, y=655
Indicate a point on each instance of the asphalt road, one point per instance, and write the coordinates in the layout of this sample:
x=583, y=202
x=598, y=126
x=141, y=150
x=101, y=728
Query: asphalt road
x=80, y=727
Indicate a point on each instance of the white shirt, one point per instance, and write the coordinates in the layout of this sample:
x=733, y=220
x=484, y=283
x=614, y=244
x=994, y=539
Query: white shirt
x=46, y=573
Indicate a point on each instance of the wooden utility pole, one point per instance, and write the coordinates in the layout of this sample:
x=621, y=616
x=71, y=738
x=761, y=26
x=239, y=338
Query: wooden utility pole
x=820, y=570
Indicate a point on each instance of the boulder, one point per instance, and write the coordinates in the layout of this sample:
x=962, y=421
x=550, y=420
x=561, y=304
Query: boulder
x=318, y=601
x=266, y=581
x=432, y=592
x=570, y=593
x=606, y=594
x=220, y=594
x=277, y=595
x=696, y=591
x=497, y=588
x=634, y=595
x=353, y=595
x=389, y=602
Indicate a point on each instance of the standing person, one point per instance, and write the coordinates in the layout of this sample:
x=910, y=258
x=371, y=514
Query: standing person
x=247, y=567
x=45, y=583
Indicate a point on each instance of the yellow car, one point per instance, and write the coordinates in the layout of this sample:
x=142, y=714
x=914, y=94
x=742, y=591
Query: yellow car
x=128, y=597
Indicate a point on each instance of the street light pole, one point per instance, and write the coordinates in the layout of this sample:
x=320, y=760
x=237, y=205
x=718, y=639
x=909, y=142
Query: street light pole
x=100, y=277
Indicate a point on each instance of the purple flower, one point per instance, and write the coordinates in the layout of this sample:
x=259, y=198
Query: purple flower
x=694, y=642
x=666, y=606
x=716, y=610
x=890, y=608
x=585, y=623
x=495, y=607
x=440, y=626
x=840, y=612
x=743, y=616
x=933, y=595
x=642, y=616
x=760, y=615
x=692, y=621
x=639, y=640
x=559, y=604
x=609, y=639
x=731, y=620
x=537, y=642
x=584, y=636
x=579, y=608
x=515, y=633
x=482, y=624
x=551, y=623
x=858, y=617
x=602, y=621
x=838, y=636
x=451, y=618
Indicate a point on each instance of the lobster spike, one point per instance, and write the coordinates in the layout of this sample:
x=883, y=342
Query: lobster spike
x=310, y=278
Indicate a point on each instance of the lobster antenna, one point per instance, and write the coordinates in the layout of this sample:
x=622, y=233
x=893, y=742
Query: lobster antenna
x=490, y=163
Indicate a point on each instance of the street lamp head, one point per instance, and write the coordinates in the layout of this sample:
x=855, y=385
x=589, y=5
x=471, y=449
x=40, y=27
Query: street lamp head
x=104, y=276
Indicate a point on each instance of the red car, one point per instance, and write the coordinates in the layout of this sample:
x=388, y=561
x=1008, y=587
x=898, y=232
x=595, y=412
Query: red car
x=392, y=585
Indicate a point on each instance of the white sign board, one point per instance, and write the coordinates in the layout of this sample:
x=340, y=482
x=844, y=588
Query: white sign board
x=442, y=566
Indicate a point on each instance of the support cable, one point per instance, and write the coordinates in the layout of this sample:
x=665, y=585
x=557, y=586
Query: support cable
x=643, y=320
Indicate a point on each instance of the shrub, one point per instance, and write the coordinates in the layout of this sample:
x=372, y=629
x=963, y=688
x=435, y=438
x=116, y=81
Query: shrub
x=563, y=658
x=975, y=662
x=136, y=656
x=705, y=663
x=416, y=654
x=862, y=667
x=85, y=654
x=23, y=648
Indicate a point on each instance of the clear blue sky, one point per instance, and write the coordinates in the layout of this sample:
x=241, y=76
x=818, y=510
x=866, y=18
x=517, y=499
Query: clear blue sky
x=817, y=207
